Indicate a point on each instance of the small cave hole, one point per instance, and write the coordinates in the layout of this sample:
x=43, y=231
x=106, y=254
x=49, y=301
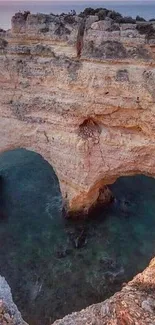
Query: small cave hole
x=89, y=128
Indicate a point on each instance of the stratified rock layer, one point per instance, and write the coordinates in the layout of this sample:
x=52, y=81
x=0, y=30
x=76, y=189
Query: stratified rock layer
x=93, y=119
x=134, y=305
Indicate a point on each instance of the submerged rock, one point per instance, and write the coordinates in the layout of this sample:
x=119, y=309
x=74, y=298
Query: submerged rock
x=78, y=237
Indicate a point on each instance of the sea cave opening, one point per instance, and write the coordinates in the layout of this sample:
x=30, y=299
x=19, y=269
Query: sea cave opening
x=56, y=266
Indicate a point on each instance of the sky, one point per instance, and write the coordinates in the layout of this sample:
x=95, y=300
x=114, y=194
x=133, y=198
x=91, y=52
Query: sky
x=79, y=0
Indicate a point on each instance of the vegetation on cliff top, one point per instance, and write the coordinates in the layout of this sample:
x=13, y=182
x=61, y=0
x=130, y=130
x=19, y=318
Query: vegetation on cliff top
x=101, y=13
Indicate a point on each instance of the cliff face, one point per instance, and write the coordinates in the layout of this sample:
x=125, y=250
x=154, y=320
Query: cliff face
x=92, y=118
x=134, y=305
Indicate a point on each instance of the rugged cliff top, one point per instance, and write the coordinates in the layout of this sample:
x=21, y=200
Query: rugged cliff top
x=107, y=35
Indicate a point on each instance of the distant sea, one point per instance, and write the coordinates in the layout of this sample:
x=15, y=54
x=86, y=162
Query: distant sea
x=132, y=8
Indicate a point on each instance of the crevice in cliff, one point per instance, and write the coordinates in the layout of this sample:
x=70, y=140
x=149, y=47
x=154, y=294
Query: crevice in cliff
x=80, y=36
x=46, y=136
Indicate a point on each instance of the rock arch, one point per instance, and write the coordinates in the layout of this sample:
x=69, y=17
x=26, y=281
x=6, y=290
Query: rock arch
x=93, y=123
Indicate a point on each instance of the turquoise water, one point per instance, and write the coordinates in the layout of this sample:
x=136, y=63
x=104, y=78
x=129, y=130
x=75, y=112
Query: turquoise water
x=56, y=266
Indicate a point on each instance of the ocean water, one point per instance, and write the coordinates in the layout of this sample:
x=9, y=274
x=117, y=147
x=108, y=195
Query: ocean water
x=56, y=266
x=132, y=8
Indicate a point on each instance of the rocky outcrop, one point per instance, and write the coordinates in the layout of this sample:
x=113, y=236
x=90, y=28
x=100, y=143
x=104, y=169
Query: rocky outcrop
x=92, y=118
x=9, y=314
x=134, y=305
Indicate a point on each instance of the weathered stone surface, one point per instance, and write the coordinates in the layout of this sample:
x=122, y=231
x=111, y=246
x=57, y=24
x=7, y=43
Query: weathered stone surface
x=93, y=119
x=9, y=314
x=102, y=25
x=90, y=20
x=134, y=305
x=43, y=26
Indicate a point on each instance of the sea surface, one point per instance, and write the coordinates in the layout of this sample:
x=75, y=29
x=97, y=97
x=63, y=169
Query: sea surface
x=132, y=8
x=56, y=266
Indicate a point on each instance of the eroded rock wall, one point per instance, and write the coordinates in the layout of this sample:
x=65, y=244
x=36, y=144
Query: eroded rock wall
x=92, y=118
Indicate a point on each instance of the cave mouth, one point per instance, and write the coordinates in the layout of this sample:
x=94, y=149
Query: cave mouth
x=56, y=266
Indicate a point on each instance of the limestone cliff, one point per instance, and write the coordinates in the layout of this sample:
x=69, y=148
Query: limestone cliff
x=92, y=118
x=134, y=305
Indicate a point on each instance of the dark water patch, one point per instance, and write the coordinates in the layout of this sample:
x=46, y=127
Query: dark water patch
x=56, y=266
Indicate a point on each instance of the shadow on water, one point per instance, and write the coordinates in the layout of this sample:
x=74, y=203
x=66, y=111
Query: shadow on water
x=55, y=266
